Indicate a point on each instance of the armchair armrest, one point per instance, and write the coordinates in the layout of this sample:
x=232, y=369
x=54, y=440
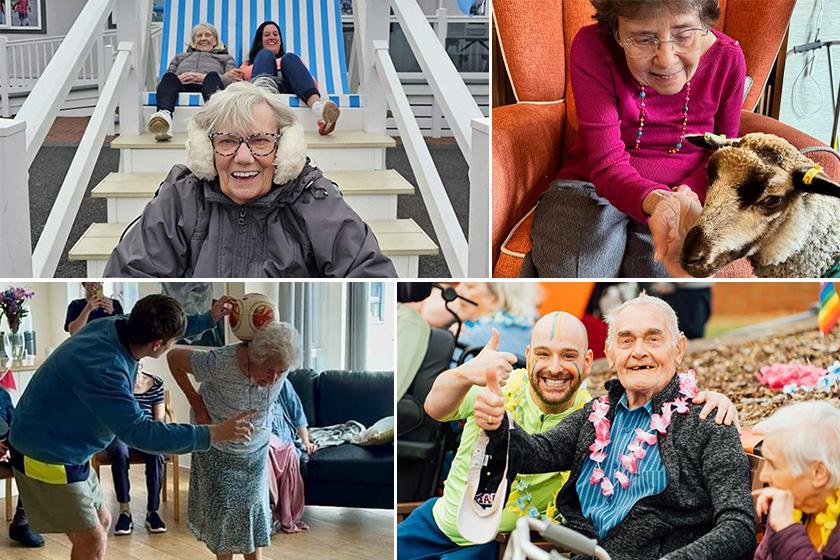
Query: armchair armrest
x=753, y=122
x=527, y=149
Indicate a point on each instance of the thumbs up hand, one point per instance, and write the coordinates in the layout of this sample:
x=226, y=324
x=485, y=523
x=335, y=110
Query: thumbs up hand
x=489, y=404
x=490, y=360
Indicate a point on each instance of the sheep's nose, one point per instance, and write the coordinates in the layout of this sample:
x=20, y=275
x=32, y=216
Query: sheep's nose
x=693, y=250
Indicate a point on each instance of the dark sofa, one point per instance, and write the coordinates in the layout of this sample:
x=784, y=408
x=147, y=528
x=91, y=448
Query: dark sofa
x=348, y=475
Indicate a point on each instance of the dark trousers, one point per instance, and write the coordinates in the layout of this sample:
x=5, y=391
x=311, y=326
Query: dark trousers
x=693, y=308
x=170, y=86
x=419, y=538
x=293, y=76
x=118, y=452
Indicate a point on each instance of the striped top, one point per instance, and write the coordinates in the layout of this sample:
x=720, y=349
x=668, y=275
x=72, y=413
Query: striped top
x=153, y=396
x=606, y=512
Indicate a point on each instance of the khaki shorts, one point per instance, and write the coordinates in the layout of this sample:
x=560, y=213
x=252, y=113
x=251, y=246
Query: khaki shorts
x=60, y=508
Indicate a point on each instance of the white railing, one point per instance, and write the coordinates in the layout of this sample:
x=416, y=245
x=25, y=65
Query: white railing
x=469, y=126
x=21, y=138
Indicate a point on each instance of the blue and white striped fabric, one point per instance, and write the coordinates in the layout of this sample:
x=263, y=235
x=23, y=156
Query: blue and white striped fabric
x=186, y=99
x=606, y=512
x=311, y=29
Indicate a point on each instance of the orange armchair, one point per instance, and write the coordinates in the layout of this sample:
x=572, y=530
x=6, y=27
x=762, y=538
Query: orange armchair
x=531, y=136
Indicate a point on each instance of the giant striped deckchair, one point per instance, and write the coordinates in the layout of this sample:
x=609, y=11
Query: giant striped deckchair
x=311, y=29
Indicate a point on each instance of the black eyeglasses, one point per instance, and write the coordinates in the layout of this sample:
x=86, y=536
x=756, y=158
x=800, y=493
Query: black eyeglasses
x=259, y=144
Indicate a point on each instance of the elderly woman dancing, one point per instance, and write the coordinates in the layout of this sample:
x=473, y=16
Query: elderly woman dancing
x=802, y=468
x=248, y=205
x=229, y=507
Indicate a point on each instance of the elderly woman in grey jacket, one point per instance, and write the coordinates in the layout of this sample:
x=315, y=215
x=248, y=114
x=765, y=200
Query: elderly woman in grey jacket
x=206, y=67
x=248, y=205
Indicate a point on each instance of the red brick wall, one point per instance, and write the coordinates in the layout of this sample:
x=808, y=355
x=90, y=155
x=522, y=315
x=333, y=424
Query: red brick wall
x=744, y=298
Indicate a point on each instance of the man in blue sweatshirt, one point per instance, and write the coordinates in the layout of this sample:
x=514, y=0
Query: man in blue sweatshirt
x=80, y=398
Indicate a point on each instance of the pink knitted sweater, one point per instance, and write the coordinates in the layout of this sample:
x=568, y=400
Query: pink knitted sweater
x=607, y=101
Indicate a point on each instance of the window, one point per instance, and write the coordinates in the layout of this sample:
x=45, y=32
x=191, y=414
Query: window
x=23, y=16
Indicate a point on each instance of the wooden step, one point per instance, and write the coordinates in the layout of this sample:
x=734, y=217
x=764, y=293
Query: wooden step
x=348, y=149
x=403, y=241
x=372, y=194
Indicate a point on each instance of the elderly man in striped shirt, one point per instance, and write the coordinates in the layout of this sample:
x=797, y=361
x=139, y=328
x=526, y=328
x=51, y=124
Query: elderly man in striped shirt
x=649, y=479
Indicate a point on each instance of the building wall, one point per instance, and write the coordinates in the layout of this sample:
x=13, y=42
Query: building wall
x=748, y=298
x=60, y=17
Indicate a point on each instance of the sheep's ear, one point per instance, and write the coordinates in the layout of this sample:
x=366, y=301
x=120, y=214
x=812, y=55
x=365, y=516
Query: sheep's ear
x=813, y=180
x=711, y=141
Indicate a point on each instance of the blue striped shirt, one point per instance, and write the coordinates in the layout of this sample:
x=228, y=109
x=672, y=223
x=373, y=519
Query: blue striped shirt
x=606, y=512
x=154, y=395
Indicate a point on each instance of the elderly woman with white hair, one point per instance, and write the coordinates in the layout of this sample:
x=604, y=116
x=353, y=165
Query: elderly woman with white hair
x=206, y=67
x=229, y=500
x=248, y=204
x=802, y=468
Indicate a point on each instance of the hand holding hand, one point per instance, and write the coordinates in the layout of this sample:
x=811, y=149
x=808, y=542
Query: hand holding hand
x=489, y=404
x=489, y=359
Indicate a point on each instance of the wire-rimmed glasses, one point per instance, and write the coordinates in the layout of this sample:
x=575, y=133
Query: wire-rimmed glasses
x=645, y=45
x=259, y=144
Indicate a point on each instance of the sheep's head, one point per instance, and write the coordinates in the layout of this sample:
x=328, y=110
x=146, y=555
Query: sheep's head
x=755, y=184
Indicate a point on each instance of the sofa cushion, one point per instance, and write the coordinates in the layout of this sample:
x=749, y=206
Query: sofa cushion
x=351, y=465
x=365, y=396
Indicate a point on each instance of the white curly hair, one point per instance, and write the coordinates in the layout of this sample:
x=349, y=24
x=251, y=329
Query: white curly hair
x=276, y=340
x=230, y=110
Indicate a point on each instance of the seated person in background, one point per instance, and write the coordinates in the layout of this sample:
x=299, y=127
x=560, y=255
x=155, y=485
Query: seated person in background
x=289, y=437
x=509, y=308
x=248, y=205
x=206, y=67
x=19, y=529
x=270, y=66
x=802, y=468
x=649, y=479
x=93, y=306
x=148, y=390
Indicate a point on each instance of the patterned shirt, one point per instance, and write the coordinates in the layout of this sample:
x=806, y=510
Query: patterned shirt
x=155, y=395
x=606, y=512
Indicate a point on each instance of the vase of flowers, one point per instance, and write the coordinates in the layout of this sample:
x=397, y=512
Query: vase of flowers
x=13, y=308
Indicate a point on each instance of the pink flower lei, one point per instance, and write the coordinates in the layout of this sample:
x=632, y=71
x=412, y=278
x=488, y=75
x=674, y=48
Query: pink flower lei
x=636, y=449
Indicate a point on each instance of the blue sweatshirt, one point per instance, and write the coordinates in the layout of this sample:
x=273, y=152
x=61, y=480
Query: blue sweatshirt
x=83, y=395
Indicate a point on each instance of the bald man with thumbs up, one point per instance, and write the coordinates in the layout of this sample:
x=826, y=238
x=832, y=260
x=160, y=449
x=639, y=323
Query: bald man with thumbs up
x=538, y=396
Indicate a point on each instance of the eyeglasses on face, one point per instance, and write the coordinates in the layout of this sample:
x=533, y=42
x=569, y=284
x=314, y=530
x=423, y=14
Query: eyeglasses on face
x=683, y=42
x=259, y=144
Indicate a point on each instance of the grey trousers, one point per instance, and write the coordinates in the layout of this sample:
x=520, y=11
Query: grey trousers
x=578, y=234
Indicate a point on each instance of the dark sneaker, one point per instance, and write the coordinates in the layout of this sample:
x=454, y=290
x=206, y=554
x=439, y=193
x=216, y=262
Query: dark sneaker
x=154, y=524
x=124, y=524
x=25, y=536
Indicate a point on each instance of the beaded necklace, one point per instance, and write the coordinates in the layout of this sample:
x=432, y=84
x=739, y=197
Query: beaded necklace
x=826, y=520
x=642, y=114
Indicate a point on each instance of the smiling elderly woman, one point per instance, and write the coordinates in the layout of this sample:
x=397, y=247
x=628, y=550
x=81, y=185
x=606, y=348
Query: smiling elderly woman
x=802, y=468
x=248, y=204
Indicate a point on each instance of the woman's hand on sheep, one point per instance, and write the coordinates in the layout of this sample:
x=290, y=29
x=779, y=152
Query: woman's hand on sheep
x=489, y=404
x=777, y=504
x=675, y=213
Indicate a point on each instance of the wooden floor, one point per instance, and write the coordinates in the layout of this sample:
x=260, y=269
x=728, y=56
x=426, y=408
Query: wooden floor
x=334, y=533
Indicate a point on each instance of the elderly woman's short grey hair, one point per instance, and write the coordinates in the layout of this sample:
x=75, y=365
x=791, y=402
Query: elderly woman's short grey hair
x=276, y=341
x=211, y=29
x=231, y=110
x=643, y=299
x=811, y=433
x=607, y=12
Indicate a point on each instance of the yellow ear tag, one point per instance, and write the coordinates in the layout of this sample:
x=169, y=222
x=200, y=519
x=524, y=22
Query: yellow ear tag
x=809, y=176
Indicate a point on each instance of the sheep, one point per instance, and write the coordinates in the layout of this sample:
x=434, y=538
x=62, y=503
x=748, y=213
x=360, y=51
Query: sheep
x=759, y=206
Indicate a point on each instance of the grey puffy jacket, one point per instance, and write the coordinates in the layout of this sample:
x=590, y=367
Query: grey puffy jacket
x=301, y=229
x=217, y=60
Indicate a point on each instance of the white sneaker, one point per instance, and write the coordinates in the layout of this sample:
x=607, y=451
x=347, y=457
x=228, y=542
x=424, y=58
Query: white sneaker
x=160, y=124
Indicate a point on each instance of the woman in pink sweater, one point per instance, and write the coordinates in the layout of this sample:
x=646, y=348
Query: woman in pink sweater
x=646, y=75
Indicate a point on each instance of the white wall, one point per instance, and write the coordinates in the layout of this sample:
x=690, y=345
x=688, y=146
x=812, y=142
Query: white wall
x=812, y=110
x=60, y=18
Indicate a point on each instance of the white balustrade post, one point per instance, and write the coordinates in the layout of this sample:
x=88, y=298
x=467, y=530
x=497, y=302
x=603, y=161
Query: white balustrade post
x=16, y=245
x=100, y=63
x=479, y=232
x=373, y=20
x=127, y=14
x=442, y=29
x=5, y=83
